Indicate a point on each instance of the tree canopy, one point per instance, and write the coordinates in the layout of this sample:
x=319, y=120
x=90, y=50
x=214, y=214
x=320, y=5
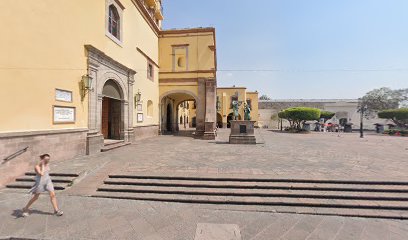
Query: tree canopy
x=382, y=99
x=298, y=115
x=264, y=97
x=398, y=116
x=326, y=115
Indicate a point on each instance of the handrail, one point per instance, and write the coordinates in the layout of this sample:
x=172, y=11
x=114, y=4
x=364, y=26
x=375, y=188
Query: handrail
x=11, y=156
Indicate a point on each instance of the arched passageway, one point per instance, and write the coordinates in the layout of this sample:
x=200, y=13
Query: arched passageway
x=219, y=120
x=169, y=118
x=112, y=127
x=178, y=112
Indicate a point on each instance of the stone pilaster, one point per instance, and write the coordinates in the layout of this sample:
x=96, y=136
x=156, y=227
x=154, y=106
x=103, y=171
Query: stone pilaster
x=210, y=108
x=200, y=108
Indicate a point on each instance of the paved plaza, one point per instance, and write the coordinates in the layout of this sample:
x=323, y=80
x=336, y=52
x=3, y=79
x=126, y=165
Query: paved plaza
x=290, y=156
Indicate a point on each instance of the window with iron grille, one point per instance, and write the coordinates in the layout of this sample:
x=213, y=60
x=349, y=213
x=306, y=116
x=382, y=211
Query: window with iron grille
x=114, y=22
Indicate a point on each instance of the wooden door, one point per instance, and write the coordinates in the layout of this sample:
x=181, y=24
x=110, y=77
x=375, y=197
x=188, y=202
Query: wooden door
x=105, y=117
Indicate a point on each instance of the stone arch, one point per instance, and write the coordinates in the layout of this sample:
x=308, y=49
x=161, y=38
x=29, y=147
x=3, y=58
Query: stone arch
x=174, y=98
x=117, y=79
x=179, y=92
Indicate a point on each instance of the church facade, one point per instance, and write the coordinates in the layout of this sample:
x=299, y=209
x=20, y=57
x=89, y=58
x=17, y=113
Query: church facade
x=81, y=77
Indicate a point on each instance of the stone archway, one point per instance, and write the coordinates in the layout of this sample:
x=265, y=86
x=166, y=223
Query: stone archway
x=112, y=82
x=112, y=105
x=169, y=118
x=219, y=120
x=170, y=101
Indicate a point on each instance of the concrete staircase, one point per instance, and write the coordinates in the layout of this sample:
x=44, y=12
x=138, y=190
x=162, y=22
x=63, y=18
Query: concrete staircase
x=60, y=180
x=377, y=199
x=113, y=144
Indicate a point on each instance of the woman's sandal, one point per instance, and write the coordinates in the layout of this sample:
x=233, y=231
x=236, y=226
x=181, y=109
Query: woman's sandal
x=58, y=213
x=24, y=213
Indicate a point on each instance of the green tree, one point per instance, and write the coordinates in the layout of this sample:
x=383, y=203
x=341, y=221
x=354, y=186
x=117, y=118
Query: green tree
x=326, y=115
x=398, y=116
x=264, y=97
x=382, y=99
x=297, y=116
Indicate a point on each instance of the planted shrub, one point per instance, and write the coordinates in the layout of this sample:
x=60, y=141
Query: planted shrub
x=326, y=115
x=398, y=116
x=298, y=115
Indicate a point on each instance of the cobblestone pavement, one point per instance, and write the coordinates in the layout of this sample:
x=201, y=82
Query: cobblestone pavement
x=311, y=156
x=282, y=155
x=93, y=218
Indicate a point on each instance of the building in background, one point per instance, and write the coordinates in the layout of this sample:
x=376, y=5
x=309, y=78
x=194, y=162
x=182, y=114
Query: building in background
x=80, y=77
x=345, y=111
x=188, y=70
x=225, y=96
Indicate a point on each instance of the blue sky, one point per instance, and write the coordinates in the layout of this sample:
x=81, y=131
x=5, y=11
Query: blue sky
x=303, y=48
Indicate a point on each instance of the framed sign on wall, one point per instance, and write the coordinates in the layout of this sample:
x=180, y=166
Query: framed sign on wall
x=140, y=117
x=61, y=114
x=140, y=107
x=63, y=95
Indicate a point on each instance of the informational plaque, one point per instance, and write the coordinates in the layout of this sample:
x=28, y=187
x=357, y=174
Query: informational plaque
x=63, y=114
x=140, y=117
x=139, y=107
x=63, y=95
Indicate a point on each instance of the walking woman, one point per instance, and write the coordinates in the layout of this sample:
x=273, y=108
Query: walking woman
x=42, y=184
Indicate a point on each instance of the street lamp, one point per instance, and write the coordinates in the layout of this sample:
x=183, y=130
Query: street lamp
x=86, y=83
x=362, y=110
x=138, y=97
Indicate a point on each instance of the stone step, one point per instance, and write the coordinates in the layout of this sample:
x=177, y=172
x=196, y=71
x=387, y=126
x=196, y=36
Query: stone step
x=58, y=179
x=273, y=193
x=259, y=185
x=114, y=146
x=252, y=178
x=56, y=174
x=28, y=185
x=112, y=142
x=397, y=210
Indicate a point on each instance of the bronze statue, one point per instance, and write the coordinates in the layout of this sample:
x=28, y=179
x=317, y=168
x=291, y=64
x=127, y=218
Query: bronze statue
x=247, y=112
x=235, y=108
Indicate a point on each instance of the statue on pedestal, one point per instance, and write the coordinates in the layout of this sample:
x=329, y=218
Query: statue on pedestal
x=235, y=108
x=247, y=112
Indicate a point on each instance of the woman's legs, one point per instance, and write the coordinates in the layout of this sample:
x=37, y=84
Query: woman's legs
x=54, y=201
x=32, y=200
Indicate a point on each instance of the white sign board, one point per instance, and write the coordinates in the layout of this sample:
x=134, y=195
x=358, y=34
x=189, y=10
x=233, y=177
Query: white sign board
x=63, y=95
x=64, y=114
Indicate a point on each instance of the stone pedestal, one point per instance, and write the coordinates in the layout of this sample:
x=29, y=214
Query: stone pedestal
x=242, y=132
x=209, y=133
x=94, y=143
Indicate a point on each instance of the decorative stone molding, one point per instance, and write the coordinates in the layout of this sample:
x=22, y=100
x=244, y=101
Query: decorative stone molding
x=96, y=58
x=103, y=68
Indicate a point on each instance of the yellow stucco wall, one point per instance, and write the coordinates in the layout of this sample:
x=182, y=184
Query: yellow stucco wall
x=254, y=108
x=44, y=50
x=200, y=56
x=193, y=45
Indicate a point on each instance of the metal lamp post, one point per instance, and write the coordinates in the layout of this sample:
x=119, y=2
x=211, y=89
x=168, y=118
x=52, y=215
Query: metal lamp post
x=362, y=110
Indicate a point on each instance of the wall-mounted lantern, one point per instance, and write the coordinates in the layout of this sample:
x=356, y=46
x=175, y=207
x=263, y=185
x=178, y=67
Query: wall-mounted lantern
x=138, y=97
x=86, y=83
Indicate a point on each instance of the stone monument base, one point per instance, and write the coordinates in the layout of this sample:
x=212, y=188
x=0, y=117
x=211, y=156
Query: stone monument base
x=242, y=132
x=209, y=133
